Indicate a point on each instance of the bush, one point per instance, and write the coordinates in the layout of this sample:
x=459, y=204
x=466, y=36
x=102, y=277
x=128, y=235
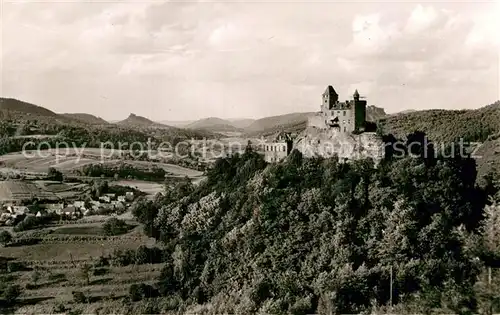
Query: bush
x=11, y=293
x=123, y=257
x=14, y=266
x=32, y=222
x=100, y=271
x=102, y=262
x=5, y=237
x=59, y=308
x=137, y=292
x=79, y=297
x=55, y=175
x=115, y=226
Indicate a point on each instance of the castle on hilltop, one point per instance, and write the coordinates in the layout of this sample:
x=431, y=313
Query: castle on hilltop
x=339, y=128
x=348, y=116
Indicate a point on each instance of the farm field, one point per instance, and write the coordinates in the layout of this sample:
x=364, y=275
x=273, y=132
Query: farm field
x=105, y=290
x=64, y=250
x=57, y=268
x=149, y=188
x=41, y=162
x=47, y=190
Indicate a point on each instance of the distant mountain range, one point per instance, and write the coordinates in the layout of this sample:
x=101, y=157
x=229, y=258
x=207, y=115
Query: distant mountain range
x=213, y=124
x=176, y=123
x=440, y=125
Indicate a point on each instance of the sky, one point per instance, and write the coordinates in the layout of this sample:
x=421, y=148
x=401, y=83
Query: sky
x=185, y=60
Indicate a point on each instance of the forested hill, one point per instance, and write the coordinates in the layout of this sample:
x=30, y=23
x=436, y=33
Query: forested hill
x=87, y=118
x=311, y=236
x=10, y=104
x=448, y=125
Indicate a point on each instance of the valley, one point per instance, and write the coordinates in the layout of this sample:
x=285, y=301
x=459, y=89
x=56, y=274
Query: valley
x=85, y=228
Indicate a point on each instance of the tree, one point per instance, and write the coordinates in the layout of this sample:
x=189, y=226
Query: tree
x=85, y=271
x=35, y=276
x=135, y=292
x=140, y=291
x=99, y=188
x=55, y=175
x=5, y=237
x=115, y=226
x=491, y=229
x=79, y=297
x=11, y=293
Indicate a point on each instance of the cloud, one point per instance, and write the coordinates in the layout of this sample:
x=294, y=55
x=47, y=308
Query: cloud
x=196, y=58
x=422, y=19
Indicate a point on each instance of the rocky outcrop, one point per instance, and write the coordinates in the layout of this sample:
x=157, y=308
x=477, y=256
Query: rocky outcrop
x=315, y=142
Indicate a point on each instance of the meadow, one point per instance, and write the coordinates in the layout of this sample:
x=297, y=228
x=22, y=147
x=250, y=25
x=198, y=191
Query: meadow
x=53, y=269
x=46, y=159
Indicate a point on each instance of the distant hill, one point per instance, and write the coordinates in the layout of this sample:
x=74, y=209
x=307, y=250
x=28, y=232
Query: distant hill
x=447, y=125
x=87, y=118
x=213, y=124
x=241, y=122
x=405, y=112
x=10, y=104
x=278, y=122
x=139, y=121
x=176, y=123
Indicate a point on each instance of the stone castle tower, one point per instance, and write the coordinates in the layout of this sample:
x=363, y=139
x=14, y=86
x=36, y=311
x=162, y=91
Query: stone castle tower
x=337, y=129
x=348, y=116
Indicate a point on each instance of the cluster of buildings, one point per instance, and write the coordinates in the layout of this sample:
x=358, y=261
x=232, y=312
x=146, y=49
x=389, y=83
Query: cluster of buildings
x=108, y=203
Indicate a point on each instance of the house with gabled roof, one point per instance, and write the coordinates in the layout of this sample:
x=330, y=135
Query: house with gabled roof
x=279, y=147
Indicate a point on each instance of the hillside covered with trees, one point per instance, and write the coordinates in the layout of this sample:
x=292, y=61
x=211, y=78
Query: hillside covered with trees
x=317, y=236
x=448, y=125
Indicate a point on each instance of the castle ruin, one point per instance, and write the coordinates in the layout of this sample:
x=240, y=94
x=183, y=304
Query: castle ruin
x=338, y=129
x=348, y=116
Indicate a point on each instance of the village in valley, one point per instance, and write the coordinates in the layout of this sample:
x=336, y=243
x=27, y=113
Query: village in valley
x=18, y=205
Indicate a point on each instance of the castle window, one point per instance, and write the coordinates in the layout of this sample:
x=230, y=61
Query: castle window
x=345, y=129
x=344, y=113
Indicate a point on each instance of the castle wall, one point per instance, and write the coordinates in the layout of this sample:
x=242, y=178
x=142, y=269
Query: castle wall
x=324, y=119
x=317, y=121
x=276, y=151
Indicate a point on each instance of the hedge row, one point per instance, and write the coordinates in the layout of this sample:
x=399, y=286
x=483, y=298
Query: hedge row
x=51, y=263
x=53, y=239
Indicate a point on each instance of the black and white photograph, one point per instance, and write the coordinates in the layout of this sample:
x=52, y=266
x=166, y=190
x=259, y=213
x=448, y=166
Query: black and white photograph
x=238, y=157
